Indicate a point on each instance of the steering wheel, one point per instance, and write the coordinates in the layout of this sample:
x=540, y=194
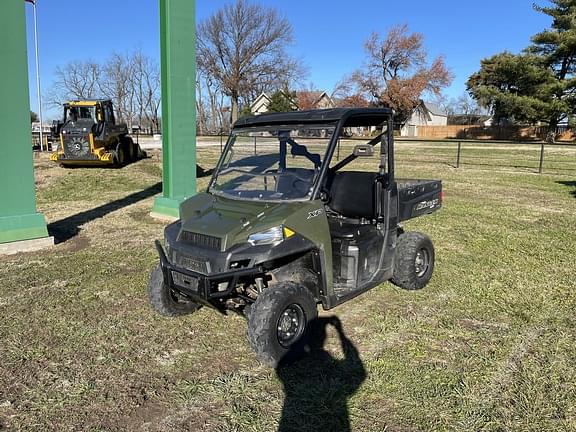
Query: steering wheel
x=294, y=181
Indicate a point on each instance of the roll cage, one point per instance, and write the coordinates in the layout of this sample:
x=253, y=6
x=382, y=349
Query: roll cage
x=339, y=119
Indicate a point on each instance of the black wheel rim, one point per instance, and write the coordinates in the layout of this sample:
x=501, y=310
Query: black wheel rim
x=291, y=324
x=421, y=262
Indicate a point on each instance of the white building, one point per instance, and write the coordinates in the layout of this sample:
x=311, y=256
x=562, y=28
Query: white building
x=425, y=114
x=260, y=105
x=303, y=100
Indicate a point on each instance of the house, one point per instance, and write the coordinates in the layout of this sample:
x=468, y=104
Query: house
x=304, y=100
x=307, y=100
x=425, y=114
x=260, y=105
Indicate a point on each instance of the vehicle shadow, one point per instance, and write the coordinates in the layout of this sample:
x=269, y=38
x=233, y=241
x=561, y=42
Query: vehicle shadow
x=317, y=385
x=571, y=183
x=67, y=228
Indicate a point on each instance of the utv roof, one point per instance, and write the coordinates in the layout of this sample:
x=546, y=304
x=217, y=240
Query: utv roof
x=362, y=117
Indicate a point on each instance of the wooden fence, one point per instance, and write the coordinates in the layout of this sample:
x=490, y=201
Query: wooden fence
x=512, y=133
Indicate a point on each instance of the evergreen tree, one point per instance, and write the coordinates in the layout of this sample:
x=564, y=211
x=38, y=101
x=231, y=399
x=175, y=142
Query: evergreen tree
x=539, y=84
x=282, y=101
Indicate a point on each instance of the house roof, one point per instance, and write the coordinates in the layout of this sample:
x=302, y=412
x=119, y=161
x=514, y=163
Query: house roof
x=315, y=95
x=365, y=116
x=259, y=98
x=435, y=109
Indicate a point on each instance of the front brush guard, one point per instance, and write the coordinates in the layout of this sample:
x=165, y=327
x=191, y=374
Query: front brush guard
x=202, y=288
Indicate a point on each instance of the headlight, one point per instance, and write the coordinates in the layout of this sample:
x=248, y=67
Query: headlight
x=270, y=236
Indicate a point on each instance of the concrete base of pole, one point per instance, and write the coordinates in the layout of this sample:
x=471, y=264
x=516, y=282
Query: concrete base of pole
x=162, y=217
x=26, y=245
x=22, y=227
x=166, y=209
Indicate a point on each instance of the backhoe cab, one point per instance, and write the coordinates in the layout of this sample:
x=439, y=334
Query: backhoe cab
x=279, y=232
x=89, y=135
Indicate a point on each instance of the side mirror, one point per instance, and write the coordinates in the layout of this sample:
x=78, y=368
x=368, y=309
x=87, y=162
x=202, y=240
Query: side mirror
x=363, y=150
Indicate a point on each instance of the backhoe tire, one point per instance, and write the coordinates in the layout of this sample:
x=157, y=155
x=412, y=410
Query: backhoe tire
x=279, y=321
x=165, y=301
x=121, y=155
x=414, y=261
x=132, y=149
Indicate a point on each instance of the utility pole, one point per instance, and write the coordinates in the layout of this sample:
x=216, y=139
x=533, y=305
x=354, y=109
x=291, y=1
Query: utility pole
x=21, y=226
x=177, y=55
x=37, y=73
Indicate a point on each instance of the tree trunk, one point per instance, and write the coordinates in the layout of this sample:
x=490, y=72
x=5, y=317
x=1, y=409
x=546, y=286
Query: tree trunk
x=234, y=100
x=214, y=123
x=551, y=132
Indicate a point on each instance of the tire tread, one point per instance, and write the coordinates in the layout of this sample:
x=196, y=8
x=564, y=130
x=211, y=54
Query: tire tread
x=406, y=248
x=161, y=301
x=262, y=318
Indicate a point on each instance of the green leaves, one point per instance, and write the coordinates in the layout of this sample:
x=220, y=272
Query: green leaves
x=282, y=101
x=517, y=87
x=538, y=85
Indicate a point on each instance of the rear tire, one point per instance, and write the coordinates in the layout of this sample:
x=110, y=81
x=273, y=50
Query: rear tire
x=279, y=321
x=164, y=300
x=414, y=261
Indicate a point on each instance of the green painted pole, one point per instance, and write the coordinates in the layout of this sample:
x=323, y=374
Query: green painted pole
x=18, y=217
x=178, y=68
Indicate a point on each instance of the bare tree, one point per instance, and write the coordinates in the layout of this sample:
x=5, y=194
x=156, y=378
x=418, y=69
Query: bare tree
x=209, y=105
x=117, y=84
x=445, y=103
x=145, y=87
x=397, y=72
x=343, y=88
x=201, y=111
x=346, y=94
x=467, y=106
x=242, y=47
x=75, y=80
x=132, y=81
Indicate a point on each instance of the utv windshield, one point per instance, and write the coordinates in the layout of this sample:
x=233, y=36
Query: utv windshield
x=272, y=163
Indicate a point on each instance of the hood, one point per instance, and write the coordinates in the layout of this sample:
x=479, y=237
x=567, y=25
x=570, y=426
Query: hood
x=231, y=220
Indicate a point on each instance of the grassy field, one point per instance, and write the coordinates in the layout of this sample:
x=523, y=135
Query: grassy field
x=489, y=345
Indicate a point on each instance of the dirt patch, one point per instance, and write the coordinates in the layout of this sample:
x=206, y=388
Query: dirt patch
x=77, y=243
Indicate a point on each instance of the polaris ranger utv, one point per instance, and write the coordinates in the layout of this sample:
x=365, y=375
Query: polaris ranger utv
x=279, y=232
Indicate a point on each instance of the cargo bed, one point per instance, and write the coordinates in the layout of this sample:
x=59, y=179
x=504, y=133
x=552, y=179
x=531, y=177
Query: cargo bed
x=418, y=197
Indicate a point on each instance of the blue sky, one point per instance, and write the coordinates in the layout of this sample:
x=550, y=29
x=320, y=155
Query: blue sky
x=329, y=35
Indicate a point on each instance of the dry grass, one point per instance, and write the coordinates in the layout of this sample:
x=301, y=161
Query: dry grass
x=490, y=344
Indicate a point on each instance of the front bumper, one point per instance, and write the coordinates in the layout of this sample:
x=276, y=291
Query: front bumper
x=101, y=158
x=200, y=287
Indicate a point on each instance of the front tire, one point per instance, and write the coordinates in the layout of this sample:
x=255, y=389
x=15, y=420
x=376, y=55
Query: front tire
x=131, y=150
x=164, y=300
x=414, y=261
x=121, y=155
x=279, y=321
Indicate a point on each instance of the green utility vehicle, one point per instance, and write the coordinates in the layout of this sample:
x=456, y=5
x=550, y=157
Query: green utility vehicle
x=286, y=225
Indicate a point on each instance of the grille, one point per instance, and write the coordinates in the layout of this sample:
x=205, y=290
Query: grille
x=77, y=147
x=201, y=240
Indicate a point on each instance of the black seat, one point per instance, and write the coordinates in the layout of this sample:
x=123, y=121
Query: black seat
x=352, y=194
